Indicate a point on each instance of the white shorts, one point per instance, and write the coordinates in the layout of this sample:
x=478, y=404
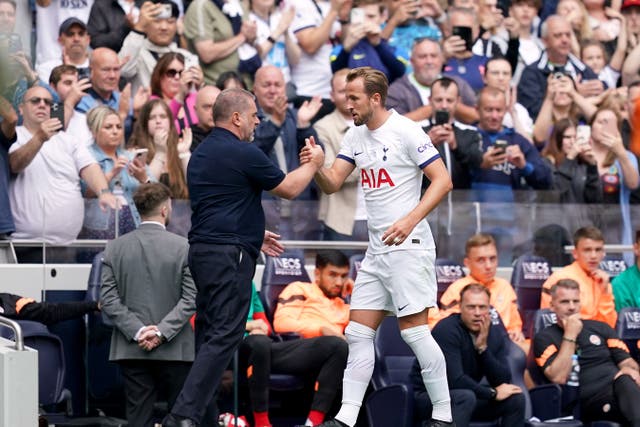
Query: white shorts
x=401, y=282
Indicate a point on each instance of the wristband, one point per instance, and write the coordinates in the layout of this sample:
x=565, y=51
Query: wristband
x=271, y=40
x=568, y=340
x=105, y=191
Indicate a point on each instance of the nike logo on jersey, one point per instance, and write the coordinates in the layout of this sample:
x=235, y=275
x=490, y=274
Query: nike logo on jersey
x=403, y=307
x=357, y=154
x=375, y=179
x=359, y=56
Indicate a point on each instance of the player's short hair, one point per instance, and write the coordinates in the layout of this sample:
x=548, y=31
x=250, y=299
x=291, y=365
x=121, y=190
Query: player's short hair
x=231, y=101
x=59, y=71
x=474, y=288
x=374, y=81
x=589, y=232
x=149, y=197
x=477, y=240
x=564, y=284
x=331, y=256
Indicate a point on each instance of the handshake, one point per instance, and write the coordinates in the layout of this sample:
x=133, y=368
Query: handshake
x=312, y=153
x=149, y=338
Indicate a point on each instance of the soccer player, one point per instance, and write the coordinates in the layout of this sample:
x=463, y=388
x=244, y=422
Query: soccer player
x=397, y=274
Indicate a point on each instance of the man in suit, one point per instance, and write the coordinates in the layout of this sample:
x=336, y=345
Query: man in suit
x=149, y=295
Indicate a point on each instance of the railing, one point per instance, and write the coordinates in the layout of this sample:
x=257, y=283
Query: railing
x=17, y=331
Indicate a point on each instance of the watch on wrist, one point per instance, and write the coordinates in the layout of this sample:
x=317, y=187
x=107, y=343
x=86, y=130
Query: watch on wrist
x=494, y=393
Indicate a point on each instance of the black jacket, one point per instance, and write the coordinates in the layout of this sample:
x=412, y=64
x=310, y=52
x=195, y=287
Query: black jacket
x=107, y=24
x=577, y=182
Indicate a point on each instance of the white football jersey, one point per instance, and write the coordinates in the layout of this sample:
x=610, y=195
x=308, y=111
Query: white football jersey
x=391, y=159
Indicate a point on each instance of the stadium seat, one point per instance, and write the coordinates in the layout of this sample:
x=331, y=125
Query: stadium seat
x=628, y=328
x=278, y=273
x=447, y=272
x=355, y=261
x=613, y=264
x=105, y=385
x=528, y=275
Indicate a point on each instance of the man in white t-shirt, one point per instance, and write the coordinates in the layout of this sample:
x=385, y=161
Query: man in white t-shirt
x=397, y=274
x=46, y=201
x=74, y=40
x=49, y=15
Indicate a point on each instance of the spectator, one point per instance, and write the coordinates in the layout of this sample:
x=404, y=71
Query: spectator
x=110, y=22
x=525, y=14
x=152, y=37
x=20, y=14
x=7, y=16
x=608, y=377
x=595, y=289
x=172, y=82
x=316, y=27
x=617, y=166
x=409, y=95
x=204, y=111
x=281, y=137
x=274, y=42
x=625, y=285
x=504, y=169
x=216, y=33
x=74, y=41
x=631, y=11
x=24, y=308
x=342, y=213
x=48, y=164
x=458, y=144
x=7, y=137
x=498, y=74
x=64, y=81
x=168, y=155
x=50, y=14
x=410, y=21
x=594, y=55
x=461, y=61
x=148, y=293
x=123, y=170
x=497, y=35
x=476, y=348
x=363, y=44
x=575, y=12
x=230, y=80
x=557, y=57
x=605, y=22
x=575, y=172
x=561, y=101
x=481, y=258
x=319, y=355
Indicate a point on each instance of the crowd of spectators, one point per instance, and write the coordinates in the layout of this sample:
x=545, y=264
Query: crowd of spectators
x=518, y=96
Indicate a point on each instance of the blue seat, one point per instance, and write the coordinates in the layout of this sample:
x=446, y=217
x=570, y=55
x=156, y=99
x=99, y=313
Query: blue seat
x=613, y=265
x=628, y=329
x=447, y=272
x=104, y=378
x=278, y=273
x=528, y=275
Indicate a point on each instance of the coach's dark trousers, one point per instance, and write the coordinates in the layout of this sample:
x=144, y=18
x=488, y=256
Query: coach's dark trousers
x=222, y=274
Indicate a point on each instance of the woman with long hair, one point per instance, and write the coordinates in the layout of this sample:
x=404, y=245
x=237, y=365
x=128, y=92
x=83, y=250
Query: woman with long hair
x=177, y=83
x=168, y=154
x=575, y=172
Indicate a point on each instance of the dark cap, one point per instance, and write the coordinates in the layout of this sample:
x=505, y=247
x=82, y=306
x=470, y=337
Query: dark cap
x=629, y=3
x=70, y=22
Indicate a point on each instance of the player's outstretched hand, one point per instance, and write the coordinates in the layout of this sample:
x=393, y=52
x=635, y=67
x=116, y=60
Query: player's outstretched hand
x=312, y=153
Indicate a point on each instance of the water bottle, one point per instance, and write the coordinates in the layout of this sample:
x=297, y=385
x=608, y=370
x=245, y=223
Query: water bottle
x=574, y=375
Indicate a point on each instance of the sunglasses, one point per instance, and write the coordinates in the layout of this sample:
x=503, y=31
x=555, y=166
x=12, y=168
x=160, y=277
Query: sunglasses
x=172, y=73
x=38, y=100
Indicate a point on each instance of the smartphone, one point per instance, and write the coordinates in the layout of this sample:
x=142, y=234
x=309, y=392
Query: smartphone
x=165, y=12
x=57, y=111
x=442, y=117
x=583, y=134
x=357, y=15
x=465, y=34
x=84, y=73
x=190, y=61
x=501, y=146
x=141, y=154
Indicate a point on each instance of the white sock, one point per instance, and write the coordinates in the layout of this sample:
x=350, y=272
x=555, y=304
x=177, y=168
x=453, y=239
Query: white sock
x=358, y=372
x=434, y=369
x=308, y=423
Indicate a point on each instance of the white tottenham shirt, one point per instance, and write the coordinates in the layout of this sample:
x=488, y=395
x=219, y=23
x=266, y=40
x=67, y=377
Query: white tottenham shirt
x=391, y=159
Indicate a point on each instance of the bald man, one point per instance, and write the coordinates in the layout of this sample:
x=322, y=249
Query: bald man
x=205, y=99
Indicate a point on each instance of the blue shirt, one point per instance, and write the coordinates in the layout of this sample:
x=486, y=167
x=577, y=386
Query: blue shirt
x=91, y=100
x=6, y=219
x=470, y=69
x=226, y=178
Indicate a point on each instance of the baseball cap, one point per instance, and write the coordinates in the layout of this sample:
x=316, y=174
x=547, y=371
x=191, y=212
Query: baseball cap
x=629, y=3
x=70, y=22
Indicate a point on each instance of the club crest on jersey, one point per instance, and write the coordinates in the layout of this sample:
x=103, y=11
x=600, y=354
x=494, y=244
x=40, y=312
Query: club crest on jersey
x=373, y=178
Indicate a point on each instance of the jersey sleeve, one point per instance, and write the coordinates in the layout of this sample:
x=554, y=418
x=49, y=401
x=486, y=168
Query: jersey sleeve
x=346, y=150
x=618, y=349
x=261, y=170
x=419, y=146
x=307, y=16
x=545, y=349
